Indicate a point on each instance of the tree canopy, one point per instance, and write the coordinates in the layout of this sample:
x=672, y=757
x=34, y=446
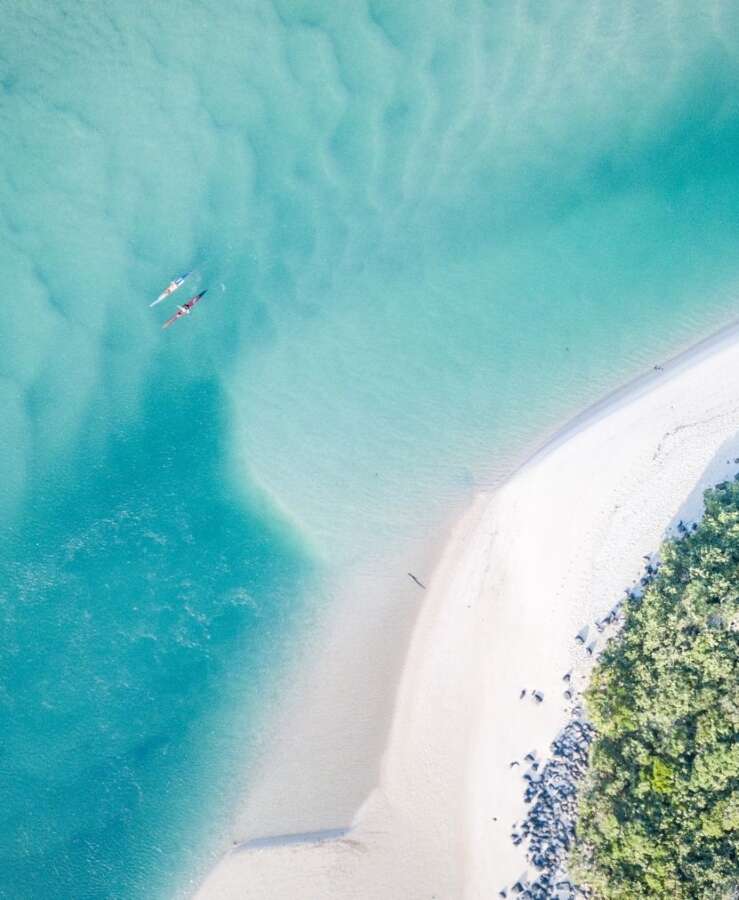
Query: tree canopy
x=659, y=809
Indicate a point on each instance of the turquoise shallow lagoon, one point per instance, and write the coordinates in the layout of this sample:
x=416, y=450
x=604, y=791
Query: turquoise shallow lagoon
x=430, y=231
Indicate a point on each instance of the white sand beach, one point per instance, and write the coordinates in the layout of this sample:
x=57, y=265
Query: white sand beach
x=530, y=564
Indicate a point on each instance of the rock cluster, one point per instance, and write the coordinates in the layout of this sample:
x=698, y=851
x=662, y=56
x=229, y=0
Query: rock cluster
x=551, y=789
x=550, y=822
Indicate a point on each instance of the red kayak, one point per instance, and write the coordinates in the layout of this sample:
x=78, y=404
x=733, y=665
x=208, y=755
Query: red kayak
x=185, y=309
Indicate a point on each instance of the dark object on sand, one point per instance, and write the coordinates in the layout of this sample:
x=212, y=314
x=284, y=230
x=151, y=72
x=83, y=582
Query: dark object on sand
x=538, y=696
x=419, y=583
x=550, y=821
x=522, y=694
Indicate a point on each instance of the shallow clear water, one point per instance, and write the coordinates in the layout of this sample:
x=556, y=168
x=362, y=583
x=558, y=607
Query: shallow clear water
x=429, y=232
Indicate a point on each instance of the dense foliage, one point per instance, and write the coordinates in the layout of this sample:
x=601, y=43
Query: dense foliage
x=659, y=812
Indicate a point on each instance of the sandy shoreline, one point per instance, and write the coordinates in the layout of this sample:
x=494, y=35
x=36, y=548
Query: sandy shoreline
x=525, y=569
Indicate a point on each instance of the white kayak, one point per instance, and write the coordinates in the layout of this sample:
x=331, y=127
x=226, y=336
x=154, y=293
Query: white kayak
x=171, y=288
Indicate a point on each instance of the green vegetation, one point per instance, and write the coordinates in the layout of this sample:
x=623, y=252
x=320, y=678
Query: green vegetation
x=659, y=809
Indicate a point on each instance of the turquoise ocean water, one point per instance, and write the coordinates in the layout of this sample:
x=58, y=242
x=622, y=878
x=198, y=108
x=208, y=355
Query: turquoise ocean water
x=430, y=230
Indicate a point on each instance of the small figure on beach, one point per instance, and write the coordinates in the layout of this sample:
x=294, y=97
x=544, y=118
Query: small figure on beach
x=522, y=694
x=419, y=583
x=538, y=696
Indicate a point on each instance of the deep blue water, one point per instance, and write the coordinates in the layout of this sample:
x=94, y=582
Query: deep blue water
x=135, y=604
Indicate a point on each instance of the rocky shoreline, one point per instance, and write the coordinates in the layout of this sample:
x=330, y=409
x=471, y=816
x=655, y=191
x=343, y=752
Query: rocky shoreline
x=552, y=787
x=549, y=825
